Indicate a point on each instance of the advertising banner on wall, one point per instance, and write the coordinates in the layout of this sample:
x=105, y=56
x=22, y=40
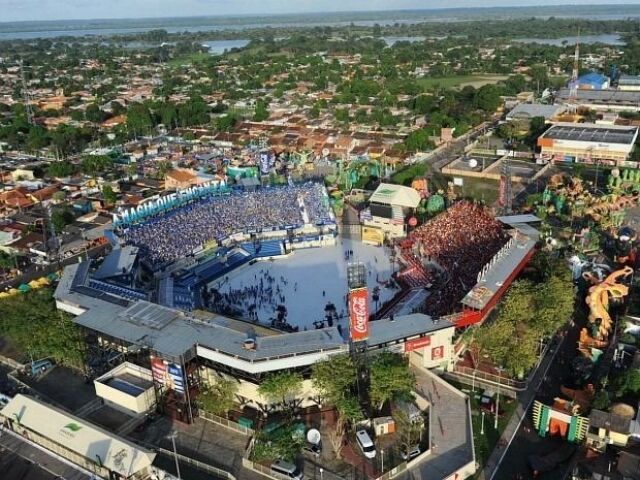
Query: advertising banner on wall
x=359, y=314
x=159, y=370
x=417, y=343
x=437, y=353
x=176, y=379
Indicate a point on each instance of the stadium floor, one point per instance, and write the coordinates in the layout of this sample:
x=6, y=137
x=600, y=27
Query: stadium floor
x=314, y=270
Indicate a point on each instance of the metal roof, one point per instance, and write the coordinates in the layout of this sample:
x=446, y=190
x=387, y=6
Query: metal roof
x=513, y=219
x=391, y=194
x=498, y=273
x=403, y=327
x=120, y=261
x=592, y=133
x=607, y=96
x=531, y=110
x=629, y=80
x=76, y=434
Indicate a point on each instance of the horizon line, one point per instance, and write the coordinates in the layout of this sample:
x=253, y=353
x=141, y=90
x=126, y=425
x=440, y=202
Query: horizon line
x=319, y=12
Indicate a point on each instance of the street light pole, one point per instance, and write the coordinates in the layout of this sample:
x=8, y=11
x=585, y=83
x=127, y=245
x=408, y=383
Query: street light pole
x=173, y=436
x=382, y=457
x=482, y=424
x=495, y=422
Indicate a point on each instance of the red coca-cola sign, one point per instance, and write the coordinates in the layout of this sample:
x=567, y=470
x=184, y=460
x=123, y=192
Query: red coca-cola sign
x=359, y=314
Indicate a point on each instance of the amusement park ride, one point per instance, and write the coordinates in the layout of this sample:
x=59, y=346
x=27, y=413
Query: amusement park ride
x=593, y=213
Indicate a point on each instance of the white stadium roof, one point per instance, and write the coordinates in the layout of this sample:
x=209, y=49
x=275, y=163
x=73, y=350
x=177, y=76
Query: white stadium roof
x=390, y=194
x=79, y=436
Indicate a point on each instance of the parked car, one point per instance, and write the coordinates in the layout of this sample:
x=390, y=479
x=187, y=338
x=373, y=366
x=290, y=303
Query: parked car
x=410, y=453
x=366, y=444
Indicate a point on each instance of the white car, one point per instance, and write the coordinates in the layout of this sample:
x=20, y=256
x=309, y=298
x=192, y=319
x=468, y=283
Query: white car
x=366, y=444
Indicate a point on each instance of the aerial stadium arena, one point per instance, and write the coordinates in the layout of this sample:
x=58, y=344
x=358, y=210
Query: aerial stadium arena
x=218, y=281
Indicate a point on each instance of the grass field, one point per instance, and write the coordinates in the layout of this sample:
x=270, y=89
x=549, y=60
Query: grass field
x=459, y=81
x=189, y=59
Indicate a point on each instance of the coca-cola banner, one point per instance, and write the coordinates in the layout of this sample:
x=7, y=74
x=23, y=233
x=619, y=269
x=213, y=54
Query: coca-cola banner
x=359, y=314
x=417, y=343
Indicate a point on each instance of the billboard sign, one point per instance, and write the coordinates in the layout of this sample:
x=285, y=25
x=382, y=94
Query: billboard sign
x=359, y=314
x=437, y=353
x=159, y=370
x=176, y=379
x=417, y=343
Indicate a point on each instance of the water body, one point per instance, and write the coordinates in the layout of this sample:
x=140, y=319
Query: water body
x=608, y=39
x=391, y=41
x=218, y=47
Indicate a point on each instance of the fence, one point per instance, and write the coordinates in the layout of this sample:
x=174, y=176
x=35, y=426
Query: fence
x=218, y=472
x=468, y=376
x=10, y=362
x=230, y=424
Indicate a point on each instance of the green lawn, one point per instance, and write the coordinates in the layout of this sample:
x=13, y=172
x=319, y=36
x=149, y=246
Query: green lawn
x=482, y=189
x=189, y=59
x=455, y=81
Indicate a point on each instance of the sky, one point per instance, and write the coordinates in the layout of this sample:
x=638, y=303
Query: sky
x=19, y=10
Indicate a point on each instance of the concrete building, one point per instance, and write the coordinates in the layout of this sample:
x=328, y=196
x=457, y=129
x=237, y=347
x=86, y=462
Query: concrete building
x=587, y=143
x=388, y=207
x=77, y=440
x=629, y=83
x=128, y=388
x=527, y=111
x=185, y=351
x=603, y=100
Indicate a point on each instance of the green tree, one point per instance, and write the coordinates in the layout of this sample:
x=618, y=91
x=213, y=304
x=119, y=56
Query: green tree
x=60, y=169
x=60, y=218
x=261, y=112
x=226, y=123
x=628, y=382
x=109, y=195
x=283, y=443
x=601, y=400
x=59, y=196
x=281, y=387
x=334, y=377
x=220, y=397
x=94, y=114
x=488, y=98
x=390, y=379
x=7, y=260
x=94, y=165
x=32, y=323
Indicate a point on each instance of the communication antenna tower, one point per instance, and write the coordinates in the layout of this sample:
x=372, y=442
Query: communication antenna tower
x=573, y=86
x=25, y=95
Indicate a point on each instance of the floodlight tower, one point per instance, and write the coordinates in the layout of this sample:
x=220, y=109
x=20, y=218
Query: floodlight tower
x=358, y=299
x=25, y=95
x=506, y=187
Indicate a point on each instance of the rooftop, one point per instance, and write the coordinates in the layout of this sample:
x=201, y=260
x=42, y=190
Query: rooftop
x=391, y=194
x=498, y=272
x=531, y=110
x=120, y=261
x=87, y=440
x=609, y=421
x=607, y=96
x=405, y=326
x=586, y=132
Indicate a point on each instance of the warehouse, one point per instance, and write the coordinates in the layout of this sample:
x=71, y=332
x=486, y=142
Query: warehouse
x=629, y=83
x=603, y=100
x=587, y=143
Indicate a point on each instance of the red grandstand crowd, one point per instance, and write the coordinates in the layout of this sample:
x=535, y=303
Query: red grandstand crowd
x=461, y=240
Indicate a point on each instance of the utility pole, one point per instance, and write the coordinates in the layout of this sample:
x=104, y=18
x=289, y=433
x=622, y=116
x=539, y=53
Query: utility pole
x=173, y=436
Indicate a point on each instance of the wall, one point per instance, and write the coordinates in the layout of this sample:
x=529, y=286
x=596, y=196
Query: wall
x=122, y=401
x=249, y=391
x=429, y=356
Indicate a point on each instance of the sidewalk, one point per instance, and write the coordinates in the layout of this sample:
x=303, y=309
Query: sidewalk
x=525, y=401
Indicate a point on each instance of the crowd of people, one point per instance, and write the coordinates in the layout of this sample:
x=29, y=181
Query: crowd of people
x=176, y=234
x=461, y=241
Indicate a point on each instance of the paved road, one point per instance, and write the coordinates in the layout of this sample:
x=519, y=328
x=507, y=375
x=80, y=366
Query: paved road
x=520, y=434
x=451, y=435
x=46, y=465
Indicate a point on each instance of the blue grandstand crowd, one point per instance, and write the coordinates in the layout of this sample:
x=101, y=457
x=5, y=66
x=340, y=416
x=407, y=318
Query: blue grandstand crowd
x=176, y=234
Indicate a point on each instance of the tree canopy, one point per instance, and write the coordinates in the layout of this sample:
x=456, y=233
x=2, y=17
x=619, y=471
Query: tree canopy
x=32, y=323
x=390, y=379
x=334, y=377
x=281, y=387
